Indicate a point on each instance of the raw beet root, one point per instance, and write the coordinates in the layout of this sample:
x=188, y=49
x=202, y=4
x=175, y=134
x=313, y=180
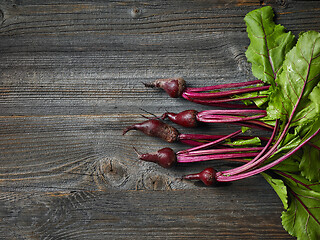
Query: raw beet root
x=207, y=176
x=173, y=86
x=156, y=128
x=186, y=118
x=165, y=157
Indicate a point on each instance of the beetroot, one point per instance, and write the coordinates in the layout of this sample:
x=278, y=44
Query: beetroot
x=213, y=95
x=165, y=157
x=186, y=118
x=243, y=117
x=173, y=86
x=156, y=128
x=207, y=176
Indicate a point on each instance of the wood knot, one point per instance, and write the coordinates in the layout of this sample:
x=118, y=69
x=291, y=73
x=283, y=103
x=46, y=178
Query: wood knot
x=283, y=3
x=153, y=182
x=241, y=60
x=113, y=173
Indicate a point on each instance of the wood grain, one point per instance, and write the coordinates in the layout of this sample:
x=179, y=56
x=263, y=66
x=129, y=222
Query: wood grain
x=71, y=76
x=214, y=213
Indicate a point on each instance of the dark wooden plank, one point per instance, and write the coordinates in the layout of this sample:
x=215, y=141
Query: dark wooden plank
x=215, y=213
x=70, y=81
x=57, y=152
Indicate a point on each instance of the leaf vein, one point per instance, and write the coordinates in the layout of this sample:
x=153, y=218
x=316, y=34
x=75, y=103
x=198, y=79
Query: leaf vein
x=268, y=74
x=303, y=56
x=289, y=80
x=261, y=54
x=313, y=77
x=316, y=56
x=266, y=42
x=287, y=94
x=304, y=80
x=306, y=226
x=304, y=206
x=305, y=115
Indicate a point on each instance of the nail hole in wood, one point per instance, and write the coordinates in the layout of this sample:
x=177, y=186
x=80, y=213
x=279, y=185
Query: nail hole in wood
x=135, y=12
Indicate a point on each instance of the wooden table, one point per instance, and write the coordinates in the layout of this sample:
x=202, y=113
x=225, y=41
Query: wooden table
x=71, y=76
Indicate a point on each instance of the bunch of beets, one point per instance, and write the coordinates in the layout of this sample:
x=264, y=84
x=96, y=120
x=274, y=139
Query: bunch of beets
x=283, y=103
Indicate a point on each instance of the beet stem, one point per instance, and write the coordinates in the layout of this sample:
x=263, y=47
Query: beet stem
x=227, y=85
x=222, y=103
x=210, y=144
x=255, y=161
x=223, y=150
x=224, y=94
x=230, y=111
x=190, y=159
x=222, y=178
x=227, y=119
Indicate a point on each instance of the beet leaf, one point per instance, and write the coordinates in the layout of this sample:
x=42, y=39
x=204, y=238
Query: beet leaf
x=296, y=98
x=279, y=187
x=302, y=218
x=310, y=161
x=269, y=44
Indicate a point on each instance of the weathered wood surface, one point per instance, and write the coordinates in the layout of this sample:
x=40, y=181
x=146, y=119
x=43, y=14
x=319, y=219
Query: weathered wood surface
x=70, y=81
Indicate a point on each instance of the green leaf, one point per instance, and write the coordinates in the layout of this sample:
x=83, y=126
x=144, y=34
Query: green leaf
x=278, y=187
x=310, y=163
x=302, y=218
x=293, y=99
x=310, y=160
x=269, y=44
x=291, y=164
x=244, y=129
x=259, y=102
x=245, y=142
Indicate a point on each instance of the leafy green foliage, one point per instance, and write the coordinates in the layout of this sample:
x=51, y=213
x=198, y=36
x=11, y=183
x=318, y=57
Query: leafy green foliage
x=244, y=142
x=295, y=101
x=294, y=98
x=310, y=168
x=300, y=75
x=290, y=164
x=269, y=44
x=310, y=160
x=302, y=218
x=278, y=187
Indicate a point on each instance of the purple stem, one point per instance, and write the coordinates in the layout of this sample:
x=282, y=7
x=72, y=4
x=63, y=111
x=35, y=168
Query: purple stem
x=189, y=159
x=275, y=146
x=212, y=137
x=211, y=143
x=226, y=119
x=256, y=160
x=222, y=102
x=222, y=178
x=218, y=151
x=254, y=124
x=223, y=94
x=191, y=142
x=227, y=85
x=230, y=111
